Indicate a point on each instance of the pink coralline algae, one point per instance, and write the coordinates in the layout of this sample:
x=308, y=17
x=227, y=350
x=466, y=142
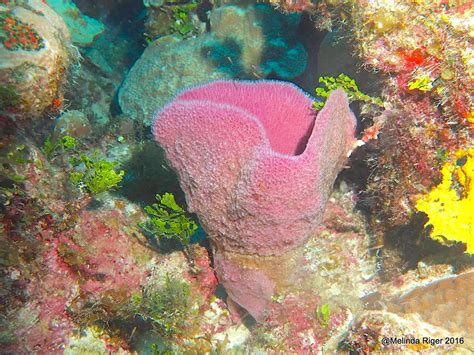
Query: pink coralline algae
x=257, y=167
x=103, y=264
x=88, y=273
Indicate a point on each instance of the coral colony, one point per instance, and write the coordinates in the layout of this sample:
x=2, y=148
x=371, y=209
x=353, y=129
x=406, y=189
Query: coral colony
x=204, y=176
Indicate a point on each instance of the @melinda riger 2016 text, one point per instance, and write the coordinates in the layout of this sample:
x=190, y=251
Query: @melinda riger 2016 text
x=387, y=341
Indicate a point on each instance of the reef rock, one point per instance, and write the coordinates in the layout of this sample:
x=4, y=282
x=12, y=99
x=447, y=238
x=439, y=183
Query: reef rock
x=72, y=123
x=166, y=66
x=83, y=29
x=33, y=58
x=245, y=43
x=257, y=173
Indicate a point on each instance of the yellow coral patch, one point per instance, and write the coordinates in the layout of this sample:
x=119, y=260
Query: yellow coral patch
x=450, y=205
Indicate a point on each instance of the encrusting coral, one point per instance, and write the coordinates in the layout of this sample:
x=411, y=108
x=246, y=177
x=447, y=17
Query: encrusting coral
x=257, y=168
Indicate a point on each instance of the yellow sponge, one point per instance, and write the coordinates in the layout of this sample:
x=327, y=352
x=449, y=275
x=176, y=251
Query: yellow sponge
x=450, y=205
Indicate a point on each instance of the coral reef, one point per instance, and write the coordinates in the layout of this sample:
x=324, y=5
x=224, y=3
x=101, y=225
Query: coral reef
x=246, y=43
x=259, y=160
x=263, y=42
x=81, y=279
x=428, y=93
x=453, y=301
x=34, y=56
x=100, y=251
x=166, y=66
x=57, y=258
x=153, y=3
x=98, y=78
x=424, y=48
x=293, y=5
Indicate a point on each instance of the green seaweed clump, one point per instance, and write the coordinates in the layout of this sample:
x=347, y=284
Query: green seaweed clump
x=98, y=176
x=95, y=176
x=169, y=220
x=67, y=143
x=348, y=85
x=182, y=20
x=167, y=306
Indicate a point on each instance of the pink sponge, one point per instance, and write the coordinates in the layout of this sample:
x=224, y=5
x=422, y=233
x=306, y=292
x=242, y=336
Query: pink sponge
x=257, y=167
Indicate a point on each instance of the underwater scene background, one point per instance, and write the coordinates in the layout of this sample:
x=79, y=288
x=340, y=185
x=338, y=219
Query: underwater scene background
x=223, y=176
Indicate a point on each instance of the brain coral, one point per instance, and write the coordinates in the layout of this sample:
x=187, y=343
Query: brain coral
x=257, y=167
